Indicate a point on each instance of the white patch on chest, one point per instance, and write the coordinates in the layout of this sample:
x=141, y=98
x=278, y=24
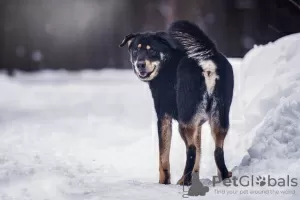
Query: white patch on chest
x=210, y=74
x=162, y=56
x=129, y=42
x=135, y=66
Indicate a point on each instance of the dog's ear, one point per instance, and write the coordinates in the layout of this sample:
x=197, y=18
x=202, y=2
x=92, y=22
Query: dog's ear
x=128, y=39
x=167, y=39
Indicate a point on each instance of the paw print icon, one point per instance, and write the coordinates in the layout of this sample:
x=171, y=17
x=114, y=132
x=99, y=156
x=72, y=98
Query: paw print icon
x=197, y=188
x=261, y=181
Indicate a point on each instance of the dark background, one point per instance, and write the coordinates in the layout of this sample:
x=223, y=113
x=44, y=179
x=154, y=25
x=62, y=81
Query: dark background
x=79, y=34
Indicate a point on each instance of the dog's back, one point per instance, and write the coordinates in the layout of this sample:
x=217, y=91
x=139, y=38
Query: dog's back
x=204, y=93
x=205, y=65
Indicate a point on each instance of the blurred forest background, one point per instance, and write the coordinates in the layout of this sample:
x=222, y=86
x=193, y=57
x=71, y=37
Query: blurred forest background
x=80, y=34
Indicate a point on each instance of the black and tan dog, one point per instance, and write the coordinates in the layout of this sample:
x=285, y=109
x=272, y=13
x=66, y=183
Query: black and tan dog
x=190, y=82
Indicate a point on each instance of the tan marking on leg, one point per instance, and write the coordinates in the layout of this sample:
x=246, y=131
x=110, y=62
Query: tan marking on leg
x=189, y=135
x=214, y=132
x=164, y=151
x=219, y=135
x=197, y=143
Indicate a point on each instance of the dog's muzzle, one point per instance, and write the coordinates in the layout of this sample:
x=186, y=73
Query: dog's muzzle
x=146, y=70
x=141, y=68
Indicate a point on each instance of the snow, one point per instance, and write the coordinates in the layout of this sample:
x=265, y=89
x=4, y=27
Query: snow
x=272, y=111
x=92, y=135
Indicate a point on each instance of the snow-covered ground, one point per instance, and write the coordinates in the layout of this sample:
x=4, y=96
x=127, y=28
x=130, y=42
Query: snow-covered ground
x=92, y=135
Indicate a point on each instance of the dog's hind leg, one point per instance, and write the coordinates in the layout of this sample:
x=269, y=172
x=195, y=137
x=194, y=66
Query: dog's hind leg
x=191, y=135
x=191, y=107
x=219, y=127
x=164, y=125
x=197, y=142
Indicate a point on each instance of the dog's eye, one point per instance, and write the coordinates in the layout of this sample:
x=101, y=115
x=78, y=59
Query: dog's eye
x=134, y=51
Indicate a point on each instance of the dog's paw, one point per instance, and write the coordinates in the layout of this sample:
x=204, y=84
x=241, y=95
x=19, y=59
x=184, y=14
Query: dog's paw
x=185, y=181
x=164, y=181
x=229, y=175
x=164, y=177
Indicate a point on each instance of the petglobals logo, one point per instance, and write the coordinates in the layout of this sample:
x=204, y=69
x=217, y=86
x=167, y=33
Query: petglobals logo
x=243, y=185
x=253, y=181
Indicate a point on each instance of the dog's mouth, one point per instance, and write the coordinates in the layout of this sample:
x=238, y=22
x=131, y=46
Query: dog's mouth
x=146, y=71
x=144, y=75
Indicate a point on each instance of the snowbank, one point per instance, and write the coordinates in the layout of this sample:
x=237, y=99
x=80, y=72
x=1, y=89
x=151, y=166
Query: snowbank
x=270, y=87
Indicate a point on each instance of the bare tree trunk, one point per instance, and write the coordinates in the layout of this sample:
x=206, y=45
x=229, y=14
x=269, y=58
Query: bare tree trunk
x=187, y=10
x=170, y=11
x=2, y=33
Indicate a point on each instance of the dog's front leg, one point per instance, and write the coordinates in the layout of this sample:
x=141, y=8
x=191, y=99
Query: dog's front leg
x=164, y=125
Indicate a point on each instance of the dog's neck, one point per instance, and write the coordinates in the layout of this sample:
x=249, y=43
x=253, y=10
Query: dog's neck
x=163, y=86
x=167, y=75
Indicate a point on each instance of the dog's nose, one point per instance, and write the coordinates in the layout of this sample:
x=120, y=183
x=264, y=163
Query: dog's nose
x=141, y=66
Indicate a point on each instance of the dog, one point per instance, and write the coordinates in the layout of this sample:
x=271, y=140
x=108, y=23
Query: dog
x=191, y=82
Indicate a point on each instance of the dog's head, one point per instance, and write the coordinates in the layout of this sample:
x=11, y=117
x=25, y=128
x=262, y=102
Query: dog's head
x=148, y=52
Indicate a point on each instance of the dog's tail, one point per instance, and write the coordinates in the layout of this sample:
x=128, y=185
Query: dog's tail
x=196, y=43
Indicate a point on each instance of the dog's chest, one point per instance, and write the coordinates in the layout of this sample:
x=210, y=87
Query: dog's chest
x=165, y=100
